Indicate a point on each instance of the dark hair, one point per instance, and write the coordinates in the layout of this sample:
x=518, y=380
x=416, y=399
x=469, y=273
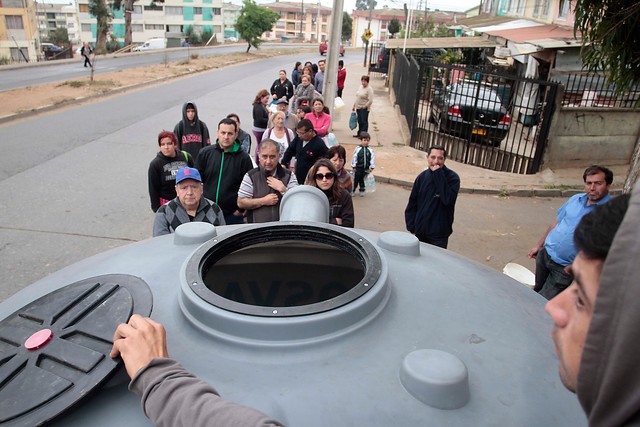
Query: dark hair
x=439, y=148
x=227, y=121
x=259, y=95
x=322, y=60
x=595, y=169
x=295, y=67
x=365, y=77
x=166, y=134
x=336, y=149
x=364, y=135
x=317, y=98
x=232, y=115
x=311, y=178
x=341, y=62
x=283, y=71
x=305, y=108
x=595, y=232
x=305, y=123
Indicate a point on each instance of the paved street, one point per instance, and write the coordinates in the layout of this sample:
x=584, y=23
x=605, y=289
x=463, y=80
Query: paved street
x=74, y=182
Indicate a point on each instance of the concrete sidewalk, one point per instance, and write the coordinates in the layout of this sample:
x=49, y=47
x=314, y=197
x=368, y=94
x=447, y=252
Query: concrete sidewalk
x=398, y=163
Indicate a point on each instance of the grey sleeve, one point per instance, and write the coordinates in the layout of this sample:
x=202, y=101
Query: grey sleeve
x=172, y=396
x=160, y=224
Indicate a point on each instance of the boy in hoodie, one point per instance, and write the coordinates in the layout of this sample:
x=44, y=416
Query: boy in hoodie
x=596, y=318
x=192, y=133
x=222, y=166
x=363, y=162
x=163, y=169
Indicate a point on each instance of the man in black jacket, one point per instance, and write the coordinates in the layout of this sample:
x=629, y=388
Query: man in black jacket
x=306, y=147
x=222, y=166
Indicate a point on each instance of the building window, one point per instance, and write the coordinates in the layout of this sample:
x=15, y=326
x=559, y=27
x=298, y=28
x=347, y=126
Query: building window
x=541, y=9
x=154, y=27
x=137, y=28
x=14, y=22
x=197, y=11
x=83, y=8
x=521, y=7
x=174, y=28
x=137, y=9
x=70, y=25
x=85, y=27
x=563, y=9
x=217, y=11
x=172, y=10
x=153, y=6
x=13, y=3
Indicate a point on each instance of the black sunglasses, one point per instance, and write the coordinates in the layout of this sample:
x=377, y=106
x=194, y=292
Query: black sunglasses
x=328, y=175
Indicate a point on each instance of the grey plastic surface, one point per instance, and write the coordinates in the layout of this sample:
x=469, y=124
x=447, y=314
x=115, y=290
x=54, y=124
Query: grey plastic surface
x=344, y=366
x=400, y=243
x=191, y=233
x=437, y=378
x=304, y=203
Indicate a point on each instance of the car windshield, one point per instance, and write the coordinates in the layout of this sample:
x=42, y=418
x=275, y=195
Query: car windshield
x=465, y=94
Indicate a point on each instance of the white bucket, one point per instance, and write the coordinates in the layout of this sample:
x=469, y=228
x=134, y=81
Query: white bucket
x=520, y=273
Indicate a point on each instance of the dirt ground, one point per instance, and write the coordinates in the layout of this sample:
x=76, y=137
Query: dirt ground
x=33, y=98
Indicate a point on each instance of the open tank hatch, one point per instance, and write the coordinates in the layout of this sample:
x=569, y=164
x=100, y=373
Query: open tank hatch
x=284, y=269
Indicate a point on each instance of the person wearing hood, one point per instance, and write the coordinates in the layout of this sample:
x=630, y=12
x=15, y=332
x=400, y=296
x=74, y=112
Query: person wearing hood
x=192, y=133
x=163, y=169
x=222, y=166
x=596, y=318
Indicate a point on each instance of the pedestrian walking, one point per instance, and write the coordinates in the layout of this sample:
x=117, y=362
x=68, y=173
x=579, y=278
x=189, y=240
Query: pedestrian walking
x=86, y=54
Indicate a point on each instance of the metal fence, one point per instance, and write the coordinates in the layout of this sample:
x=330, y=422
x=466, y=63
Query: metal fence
x=377, y=64
x=593, y=90
x=494, y=121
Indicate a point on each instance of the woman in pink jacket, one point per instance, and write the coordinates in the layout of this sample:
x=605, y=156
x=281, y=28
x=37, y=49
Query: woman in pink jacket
x=319, y=117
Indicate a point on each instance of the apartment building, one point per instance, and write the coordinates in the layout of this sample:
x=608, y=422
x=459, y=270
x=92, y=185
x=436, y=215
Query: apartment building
x=304, y=20
x=18, y=33
x=150, y=19
x=230, y=13
x=51, y=16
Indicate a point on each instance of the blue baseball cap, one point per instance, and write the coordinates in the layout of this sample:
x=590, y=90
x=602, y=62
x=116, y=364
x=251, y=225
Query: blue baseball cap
x=188, y=173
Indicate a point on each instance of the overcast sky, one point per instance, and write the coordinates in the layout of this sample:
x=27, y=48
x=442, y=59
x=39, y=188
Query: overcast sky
x=349, y=5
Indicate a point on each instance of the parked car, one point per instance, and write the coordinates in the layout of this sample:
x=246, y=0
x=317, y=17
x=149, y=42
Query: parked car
x=470, y=109
x=323, y=48
x=151, y=44
x=50, y=50
x=231, y=39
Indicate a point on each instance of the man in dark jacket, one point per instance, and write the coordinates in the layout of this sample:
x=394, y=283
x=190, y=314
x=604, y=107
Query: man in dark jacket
x=306, y=147
x=429, y=213
x=192, y=133
x=596, y=318
x=223, y=166
x=262, y=188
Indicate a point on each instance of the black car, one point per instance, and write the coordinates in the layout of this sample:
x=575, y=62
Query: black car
x=472, y=110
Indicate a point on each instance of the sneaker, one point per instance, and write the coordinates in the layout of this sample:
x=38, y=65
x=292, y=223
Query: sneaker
x=362, y=194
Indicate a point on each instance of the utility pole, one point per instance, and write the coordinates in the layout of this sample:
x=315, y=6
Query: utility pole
x=366, y=44
x=333, y=50
x=318, y=23
x=301, y=19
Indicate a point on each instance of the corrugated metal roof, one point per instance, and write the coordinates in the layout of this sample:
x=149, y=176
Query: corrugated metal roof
x=514, y=24
x=440, y=42
x=483, y=21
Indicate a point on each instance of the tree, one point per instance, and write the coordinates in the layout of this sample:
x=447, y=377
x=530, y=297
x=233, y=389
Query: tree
x=99, y=9
x=364, y=4
x=253, y=21
x=347, y=26
x=611, y=43
x=394, y=27
x=59, y=37
x=128, y=10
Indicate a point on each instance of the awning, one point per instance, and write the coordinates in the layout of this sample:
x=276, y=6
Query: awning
x=547, y=34
x=440, y=42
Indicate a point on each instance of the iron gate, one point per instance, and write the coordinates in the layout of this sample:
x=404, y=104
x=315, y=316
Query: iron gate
x=484, y=119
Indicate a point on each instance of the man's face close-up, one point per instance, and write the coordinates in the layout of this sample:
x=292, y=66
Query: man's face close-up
x=571, y=311
x=189, y=192
x=321, y=65
x=167, y=147
x=435, y=158
x=226, y=135
x=303, y=134
x=269, y=157
x=191, y=114
x=596, y=187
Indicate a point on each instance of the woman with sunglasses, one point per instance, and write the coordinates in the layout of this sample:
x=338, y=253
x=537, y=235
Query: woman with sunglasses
x=323, y=176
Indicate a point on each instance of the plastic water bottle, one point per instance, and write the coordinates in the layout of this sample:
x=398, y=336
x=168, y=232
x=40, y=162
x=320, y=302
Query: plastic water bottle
x=370, y=183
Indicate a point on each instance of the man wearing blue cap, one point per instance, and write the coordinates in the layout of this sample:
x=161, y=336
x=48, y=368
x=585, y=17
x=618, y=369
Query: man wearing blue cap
x=188, y=206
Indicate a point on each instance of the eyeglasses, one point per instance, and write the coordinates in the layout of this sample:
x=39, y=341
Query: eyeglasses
x=320, y=176
x=302, y=132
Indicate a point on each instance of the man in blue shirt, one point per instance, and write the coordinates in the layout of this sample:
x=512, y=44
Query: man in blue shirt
x=556, y=250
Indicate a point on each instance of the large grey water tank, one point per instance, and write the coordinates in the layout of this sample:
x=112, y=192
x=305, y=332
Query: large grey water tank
x=320, y=325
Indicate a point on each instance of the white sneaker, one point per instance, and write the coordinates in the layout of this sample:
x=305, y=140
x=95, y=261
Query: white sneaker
x=362, y=194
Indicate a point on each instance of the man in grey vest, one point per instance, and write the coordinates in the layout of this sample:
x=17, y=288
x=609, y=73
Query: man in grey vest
x=262, y=188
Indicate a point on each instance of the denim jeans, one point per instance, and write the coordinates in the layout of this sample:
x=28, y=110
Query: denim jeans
x=363, y=120
x=551, y=279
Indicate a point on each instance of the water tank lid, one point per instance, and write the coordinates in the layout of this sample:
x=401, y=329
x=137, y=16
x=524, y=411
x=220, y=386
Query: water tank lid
x=55, y=350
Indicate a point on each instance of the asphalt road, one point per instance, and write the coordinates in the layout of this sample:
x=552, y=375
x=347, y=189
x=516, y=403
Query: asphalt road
x=53, y=71
x=73, y=183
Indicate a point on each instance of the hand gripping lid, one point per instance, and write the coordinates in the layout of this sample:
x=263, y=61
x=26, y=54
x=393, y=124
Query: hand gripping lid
x=55, y=351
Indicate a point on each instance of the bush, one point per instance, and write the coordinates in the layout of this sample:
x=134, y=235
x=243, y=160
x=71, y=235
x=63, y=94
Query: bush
x=206, y=35
x=112, y=44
